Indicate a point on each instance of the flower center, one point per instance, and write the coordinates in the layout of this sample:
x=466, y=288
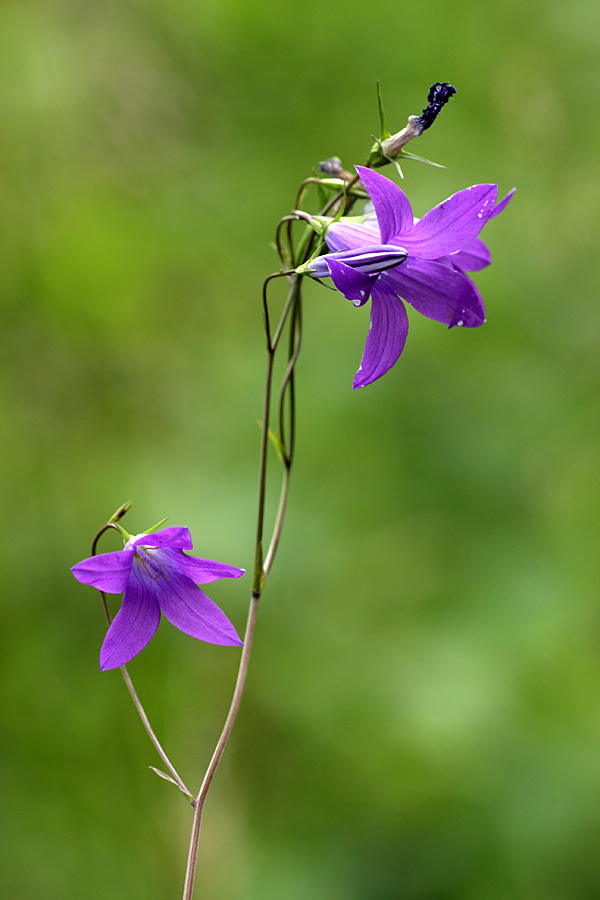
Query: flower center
x=152, y=568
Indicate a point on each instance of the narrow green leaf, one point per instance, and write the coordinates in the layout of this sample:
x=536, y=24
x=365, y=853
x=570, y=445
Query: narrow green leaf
x=279, y=448
x=164, y=775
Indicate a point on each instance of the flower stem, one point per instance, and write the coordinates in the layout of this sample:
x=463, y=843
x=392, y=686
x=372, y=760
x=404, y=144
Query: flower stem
x=190, y=872
x=152, y=736
x=132, y=691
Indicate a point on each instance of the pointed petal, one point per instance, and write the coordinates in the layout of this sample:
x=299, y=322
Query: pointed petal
x=473, y=256
x=135, y=624
x=167, y=537
x=107, y=571
x=386, y=338
x=392, y=208
x=203, y=571
x=191, y=611
x=502, y=204
x=353, y=285
x=452, y=224
x=437, y=291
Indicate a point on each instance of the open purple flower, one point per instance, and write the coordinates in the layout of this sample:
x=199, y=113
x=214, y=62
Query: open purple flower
x=157, y=576
x=440, y=248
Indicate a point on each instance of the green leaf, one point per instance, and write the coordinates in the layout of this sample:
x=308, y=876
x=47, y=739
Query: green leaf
x=163, y=775
x=172, y=780
x=279, y=448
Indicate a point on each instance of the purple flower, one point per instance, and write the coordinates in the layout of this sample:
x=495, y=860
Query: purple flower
x=439, y=248
x=157, y=576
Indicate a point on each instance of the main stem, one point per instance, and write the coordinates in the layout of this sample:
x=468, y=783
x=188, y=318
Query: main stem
x=190, y=872
x=258, y=584
x=262, y=563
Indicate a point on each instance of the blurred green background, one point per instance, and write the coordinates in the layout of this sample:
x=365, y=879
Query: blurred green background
x=422, y=717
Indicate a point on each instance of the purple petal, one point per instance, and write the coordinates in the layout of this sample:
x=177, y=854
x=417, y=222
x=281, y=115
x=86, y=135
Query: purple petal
x=386, y=338
x=473, y=257
x=452, y=224
x=503, y=203
x=392, y=208
x=107, y=571
x=167, y=537
x=203, y=571
x=353, y=285
x=191, y=611
x=436, y=291
x=352, y=235
x=135, y=624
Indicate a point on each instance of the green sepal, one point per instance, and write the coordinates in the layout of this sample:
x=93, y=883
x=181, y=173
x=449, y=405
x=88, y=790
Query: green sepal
x=124, y=534
x=304, y=268
x=428, y=162
x=378, y=159
x=157, y=526
x=322, y=283
x=385, y=131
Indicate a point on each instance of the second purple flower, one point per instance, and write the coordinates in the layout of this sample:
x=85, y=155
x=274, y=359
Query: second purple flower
x=392, y=256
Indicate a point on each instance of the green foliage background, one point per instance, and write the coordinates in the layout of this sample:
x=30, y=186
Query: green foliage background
x=422, y=714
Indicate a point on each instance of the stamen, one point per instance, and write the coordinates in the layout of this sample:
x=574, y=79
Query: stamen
x=153, y=569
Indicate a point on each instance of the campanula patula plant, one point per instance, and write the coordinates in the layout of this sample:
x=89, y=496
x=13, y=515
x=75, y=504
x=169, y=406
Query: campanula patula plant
x=366, y=243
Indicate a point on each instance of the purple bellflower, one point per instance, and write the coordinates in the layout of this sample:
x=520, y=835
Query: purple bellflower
x=438, y=250
x=157, y=576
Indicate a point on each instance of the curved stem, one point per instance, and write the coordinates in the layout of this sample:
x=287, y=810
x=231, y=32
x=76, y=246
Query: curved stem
x=152, y=736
